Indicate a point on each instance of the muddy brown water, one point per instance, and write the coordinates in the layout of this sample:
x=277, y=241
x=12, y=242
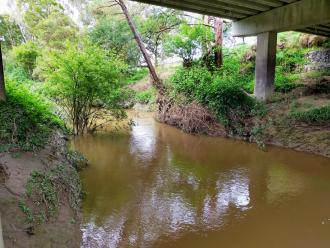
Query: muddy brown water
x=159, y=187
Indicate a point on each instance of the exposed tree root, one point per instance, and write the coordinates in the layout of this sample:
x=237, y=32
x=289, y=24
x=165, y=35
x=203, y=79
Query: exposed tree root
x=192, y=118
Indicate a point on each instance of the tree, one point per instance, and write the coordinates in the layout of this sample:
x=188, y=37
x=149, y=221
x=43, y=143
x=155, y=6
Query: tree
x=38, y=10
x=156, y=80
x=218, y=27
x=86, y=82
x=159, y=22
x=26, y=56
x=189, y=42
x=12, y=35
x=113, y=33
x=54, y=30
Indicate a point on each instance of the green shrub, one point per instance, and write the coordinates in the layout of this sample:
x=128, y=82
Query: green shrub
x=26, y=56
x=317, y=116
x=136, y=75
x=285, y=82
x=221, y=91
x=145, y=97
x=290, y=59
x=26, y=119
x=82, y=77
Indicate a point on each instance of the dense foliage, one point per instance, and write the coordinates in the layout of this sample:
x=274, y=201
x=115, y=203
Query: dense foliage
x=222, y=90
x=84, y=80
x=114, y=34
x=11, y=33
x=26, y=120
x=25, y=56
x=156, y=28
x=189, y=41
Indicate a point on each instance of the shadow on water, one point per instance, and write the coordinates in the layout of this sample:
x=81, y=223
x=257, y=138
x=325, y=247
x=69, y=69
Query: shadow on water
x=159, y=187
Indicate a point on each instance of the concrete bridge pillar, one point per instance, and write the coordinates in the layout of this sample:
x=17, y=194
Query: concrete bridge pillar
x=265, y=65
x=2, y=79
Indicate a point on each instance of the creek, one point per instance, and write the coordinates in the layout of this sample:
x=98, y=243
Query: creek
x=156, y=186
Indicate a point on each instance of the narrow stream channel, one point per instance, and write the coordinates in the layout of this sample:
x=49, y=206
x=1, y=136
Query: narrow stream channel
x=159, y=187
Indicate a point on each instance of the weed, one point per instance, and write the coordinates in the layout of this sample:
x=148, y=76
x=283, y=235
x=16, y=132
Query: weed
x=44, y=191
x=317, y=116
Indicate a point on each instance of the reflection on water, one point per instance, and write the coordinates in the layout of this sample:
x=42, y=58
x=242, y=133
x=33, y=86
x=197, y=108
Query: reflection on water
x=159, y=187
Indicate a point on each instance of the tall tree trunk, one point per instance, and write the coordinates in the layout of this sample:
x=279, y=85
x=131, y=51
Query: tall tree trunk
x=2, y=79
x=218, y=41
x=157, y=82
x=206, y=21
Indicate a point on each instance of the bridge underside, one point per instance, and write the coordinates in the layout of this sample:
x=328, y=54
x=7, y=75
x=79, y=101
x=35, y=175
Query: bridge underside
x=264, y=19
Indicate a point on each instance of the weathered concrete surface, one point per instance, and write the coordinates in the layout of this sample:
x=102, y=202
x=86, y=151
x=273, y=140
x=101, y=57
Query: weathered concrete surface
x=305, y=13
x=2, y=79
x=1, y=238
x=265, y=65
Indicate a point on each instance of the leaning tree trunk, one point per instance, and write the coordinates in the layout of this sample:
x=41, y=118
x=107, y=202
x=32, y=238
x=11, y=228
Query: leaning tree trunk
x=2, y=79
x=157, y=82
x=218, y=41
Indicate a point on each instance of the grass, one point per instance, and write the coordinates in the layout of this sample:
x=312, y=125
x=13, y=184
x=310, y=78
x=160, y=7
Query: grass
x=317, y=116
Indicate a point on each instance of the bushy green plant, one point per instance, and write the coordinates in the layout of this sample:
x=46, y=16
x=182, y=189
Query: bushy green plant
x=77, y=160
x=86, y=81
x=189, y=41
x=26, y=119
x=285, y=82
x=145, y=97
x=54, y=30
x=136, y=75
x=290, y=59
x=318, y=116
x=221, y=91
x=26, y=55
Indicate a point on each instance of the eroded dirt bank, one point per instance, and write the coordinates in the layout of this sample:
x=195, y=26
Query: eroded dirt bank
x=27, y=218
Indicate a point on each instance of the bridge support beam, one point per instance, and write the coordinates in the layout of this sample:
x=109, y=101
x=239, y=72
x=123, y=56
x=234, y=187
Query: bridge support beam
x=298, y=15
x=265, y=65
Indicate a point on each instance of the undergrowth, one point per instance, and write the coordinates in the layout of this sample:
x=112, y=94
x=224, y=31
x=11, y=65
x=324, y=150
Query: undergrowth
x=221, y=91
x=317, y=116
x=46, y=189
x=26, y=119
x=146, y=97
x=136, y=75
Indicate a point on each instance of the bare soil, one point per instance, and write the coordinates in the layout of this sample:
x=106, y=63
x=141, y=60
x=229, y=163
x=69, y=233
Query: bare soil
x=15, y=169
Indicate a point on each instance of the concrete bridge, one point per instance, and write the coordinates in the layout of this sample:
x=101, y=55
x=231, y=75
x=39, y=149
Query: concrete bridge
x=264, y=19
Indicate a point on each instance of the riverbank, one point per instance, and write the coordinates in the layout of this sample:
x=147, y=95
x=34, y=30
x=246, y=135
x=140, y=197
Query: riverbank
x=40, y=197
x=295, y=120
